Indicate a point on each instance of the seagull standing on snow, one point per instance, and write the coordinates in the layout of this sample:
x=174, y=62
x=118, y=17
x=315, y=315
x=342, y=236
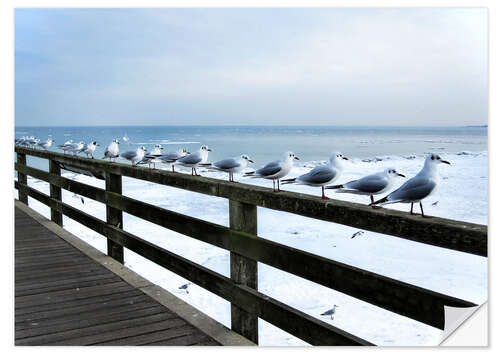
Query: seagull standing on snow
x=417, y=188
x=330, y=312
x=195, y=159
x=375, y=184
x=134, y=156
x=322, y=175
x=171, y=157
x=276, y=169
x=46, y=144
x=112, y=150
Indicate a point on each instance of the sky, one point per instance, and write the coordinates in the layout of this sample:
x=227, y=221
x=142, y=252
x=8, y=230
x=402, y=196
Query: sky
x=302, y=66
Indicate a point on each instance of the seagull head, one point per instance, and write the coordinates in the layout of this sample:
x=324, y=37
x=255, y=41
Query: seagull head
x=290, y=156
x=434, y=159
x=116, y=141
x=95, y=143
x=205, y=148
x=336, y=158
x=143, y=148
x=391, y=172
x=245, y=157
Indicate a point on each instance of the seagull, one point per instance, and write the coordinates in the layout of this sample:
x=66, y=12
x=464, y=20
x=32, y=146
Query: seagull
x=330, y=312
x=89, y=149
x=64, y=147
x=417, y=188
x=46, y=144
x=374, y=184
x=134, y=156
x=112, y=150
x=172, y=156
x=185, y=287
x=126, y=138
x=358, y=233
x=321, y=175
x=195, y=159
x=232, y=165
x=75, y=147
x=276, y=169
x=152, y=157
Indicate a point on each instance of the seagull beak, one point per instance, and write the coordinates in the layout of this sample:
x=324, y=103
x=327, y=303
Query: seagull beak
x=445, y=162
x=401, y=175
x=296, y=158
x=250, y=161
x=209, y=149
x=345, y=158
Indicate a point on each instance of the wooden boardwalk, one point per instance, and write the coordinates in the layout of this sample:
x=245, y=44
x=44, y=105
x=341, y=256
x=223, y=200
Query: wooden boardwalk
x=62, y=297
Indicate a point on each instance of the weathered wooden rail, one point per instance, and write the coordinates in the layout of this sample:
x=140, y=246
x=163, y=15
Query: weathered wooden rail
x=246, y=248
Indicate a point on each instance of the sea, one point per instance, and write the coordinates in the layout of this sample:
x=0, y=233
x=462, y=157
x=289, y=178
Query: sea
x=461, y=195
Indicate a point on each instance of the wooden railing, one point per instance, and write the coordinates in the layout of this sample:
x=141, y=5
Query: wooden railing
x=246, y=248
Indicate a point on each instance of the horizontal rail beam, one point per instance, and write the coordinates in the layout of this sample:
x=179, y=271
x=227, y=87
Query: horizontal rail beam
x=409, y=300
x=283, y=316
x=462, y=236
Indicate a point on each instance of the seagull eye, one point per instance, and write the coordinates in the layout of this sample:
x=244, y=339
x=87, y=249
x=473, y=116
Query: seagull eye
x=433, y=157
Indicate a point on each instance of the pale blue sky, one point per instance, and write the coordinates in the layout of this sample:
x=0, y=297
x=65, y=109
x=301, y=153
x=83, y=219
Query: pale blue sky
x=251, y=66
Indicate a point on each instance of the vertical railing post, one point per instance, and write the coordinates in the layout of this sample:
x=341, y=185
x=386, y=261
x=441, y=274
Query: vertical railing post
x=55, y=193
x=22, y=178
x=243, y=217
x=114, y=216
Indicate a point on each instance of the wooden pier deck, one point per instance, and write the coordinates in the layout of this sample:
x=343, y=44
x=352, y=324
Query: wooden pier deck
x=63, y=297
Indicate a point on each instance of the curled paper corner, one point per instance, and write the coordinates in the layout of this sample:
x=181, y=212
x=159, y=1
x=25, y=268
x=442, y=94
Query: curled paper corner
x=455, y=317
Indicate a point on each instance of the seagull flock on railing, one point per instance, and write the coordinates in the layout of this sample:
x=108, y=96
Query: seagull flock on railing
x=412, y=191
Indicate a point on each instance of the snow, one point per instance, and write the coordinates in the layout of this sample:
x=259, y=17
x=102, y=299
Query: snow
x=462, y=195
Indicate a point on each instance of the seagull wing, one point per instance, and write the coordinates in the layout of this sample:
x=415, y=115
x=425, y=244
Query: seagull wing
x=226, y=164
x=191, y=159
x=416, y=188
x=318, y=175
x=129, y=155
x=370, y=184
x=270, y=169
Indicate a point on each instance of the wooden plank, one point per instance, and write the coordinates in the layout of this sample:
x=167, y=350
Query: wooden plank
x=21, y=177
x=189, y=339
x=143, y=339
x=243, y=217
x=114, y=216
x=76, y=285
x=462, y=236
x=98, y=333
x=77, y=323
x=55, y=193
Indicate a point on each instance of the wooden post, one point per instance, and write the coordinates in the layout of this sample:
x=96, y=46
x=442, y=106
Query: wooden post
x=114, y=216
x=22, y=178
x=243, y=217
x=56, y=193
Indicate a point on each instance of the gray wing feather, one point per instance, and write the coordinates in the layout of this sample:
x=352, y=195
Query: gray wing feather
x=270, y=169
x=226, y=164
x=128, y=155
x=413, y=189
x=193, y=158
x=372, y=183
x=318, y=175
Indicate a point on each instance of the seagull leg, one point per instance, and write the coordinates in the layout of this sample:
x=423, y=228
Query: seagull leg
x=371, y=198
x=323, y=193
x=274, y=189
x=422, y=210
x=411, y=208
x=278, y=185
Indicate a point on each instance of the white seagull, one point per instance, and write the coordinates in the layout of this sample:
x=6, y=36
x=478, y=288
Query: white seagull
x=195, y=159
x=134, y=156
x=46, y=144
x=112, y=150
x=417, y=188
x=276, y=169
x=75, y=147
x=171, y=157
x=321, y=175
x=330, y=312
x=370, y=185
x=232, y=165
x=89, y=149
x=152, y=157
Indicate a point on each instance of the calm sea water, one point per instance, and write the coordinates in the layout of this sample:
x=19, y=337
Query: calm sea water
x=265, y=143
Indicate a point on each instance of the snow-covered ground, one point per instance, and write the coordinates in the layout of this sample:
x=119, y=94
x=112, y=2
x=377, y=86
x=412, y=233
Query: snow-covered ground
x=462, y=195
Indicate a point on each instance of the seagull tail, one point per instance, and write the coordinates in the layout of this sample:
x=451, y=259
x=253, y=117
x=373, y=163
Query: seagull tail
x=334, y=187
x=251, y=173
x=288, y=181
x=382, y=201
